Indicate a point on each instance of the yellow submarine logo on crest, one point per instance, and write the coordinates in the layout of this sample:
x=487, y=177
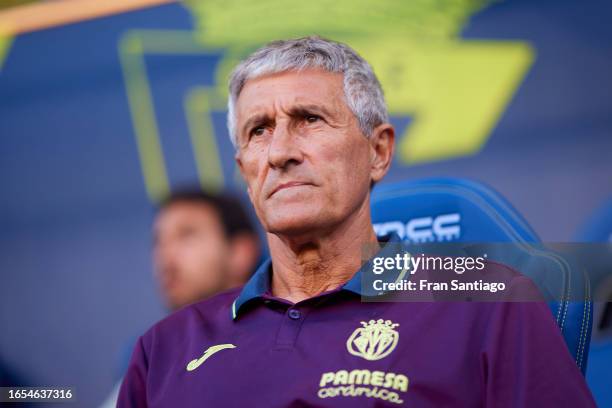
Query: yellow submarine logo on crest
x=374, y=341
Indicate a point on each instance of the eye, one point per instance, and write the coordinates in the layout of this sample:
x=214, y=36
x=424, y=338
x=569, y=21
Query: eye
x=258, y=131
x=312, y=118
x=187, y=233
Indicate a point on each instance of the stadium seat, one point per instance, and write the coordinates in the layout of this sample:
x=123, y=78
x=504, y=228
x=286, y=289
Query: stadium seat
x=598, y=229
x=464, y=211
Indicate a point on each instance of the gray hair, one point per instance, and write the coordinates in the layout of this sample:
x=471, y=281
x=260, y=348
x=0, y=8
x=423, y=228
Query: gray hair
x=362, y=90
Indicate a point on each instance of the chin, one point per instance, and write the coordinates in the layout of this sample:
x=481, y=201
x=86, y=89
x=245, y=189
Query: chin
x=291, y=221
x=292, y=224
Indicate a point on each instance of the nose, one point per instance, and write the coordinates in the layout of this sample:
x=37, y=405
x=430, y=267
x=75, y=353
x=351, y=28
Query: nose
x=284, y=150
x=164, y=255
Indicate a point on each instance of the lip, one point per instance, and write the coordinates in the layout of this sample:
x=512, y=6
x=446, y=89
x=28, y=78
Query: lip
x=169, y=285
x=289, y=185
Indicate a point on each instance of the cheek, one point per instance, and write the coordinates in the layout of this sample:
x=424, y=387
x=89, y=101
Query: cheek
x=253, y=170
x=349, y=169
x=200, y=248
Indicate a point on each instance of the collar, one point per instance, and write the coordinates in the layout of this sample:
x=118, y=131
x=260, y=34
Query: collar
x=259, y=283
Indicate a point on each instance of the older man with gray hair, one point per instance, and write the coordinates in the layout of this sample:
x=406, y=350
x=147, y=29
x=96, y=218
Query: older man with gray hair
x=312, y=136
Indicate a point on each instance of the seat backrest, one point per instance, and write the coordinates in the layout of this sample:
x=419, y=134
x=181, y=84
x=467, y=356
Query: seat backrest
x=597, y=232
x=598, y=229
x=459, y=210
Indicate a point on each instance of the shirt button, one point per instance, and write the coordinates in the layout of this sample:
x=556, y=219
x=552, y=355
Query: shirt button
x=294, y=314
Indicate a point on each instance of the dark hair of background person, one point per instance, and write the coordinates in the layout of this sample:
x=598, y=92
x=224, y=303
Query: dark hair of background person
x=234, y=218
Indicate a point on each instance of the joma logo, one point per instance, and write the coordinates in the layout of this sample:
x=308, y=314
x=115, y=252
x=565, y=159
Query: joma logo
x=443, y=227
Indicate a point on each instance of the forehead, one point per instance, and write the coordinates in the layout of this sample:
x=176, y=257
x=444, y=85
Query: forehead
x=181, y=213
x=281, y=90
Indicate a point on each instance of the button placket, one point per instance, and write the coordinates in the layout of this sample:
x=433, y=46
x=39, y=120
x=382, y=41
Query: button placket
x=290, y=327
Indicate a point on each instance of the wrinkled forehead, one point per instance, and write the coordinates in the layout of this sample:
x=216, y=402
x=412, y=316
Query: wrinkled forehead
x=285, y=89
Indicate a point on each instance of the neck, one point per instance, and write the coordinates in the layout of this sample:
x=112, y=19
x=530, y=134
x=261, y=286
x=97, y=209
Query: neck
x=307, y=265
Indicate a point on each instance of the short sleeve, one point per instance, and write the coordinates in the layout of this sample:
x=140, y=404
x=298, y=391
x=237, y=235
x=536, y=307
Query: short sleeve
x=133, y=392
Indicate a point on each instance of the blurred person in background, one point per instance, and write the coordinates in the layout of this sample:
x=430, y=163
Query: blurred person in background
x=203, y=244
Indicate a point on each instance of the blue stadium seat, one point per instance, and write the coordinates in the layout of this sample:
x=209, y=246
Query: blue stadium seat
x=459, y=210
x=598, y=229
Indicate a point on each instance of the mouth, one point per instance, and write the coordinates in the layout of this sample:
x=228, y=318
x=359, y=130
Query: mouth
x=290, y=184
x=169, y=284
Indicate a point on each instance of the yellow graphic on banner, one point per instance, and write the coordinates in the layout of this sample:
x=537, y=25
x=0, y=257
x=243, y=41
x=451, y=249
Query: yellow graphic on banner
x=6, y=40
x=455, y=90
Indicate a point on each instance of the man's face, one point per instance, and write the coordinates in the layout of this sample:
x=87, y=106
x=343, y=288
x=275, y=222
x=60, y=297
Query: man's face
x=190, y=253
x=301, y=151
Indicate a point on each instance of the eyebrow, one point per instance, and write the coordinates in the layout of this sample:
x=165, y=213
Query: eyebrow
x=255, y=119
x=297, y=110
x=301, y=110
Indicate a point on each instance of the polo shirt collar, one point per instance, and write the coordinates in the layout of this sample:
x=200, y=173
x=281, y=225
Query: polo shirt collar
x=259, y=283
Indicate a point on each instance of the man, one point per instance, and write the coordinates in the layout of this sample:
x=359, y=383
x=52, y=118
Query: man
x=312, y=136
x=203, y=244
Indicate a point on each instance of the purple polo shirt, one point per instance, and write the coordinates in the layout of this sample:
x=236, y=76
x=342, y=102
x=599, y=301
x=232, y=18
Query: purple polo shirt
x=247, y=348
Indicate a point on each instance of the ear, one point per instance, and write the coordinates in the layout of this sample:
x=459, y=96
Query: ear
x=382, y=147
